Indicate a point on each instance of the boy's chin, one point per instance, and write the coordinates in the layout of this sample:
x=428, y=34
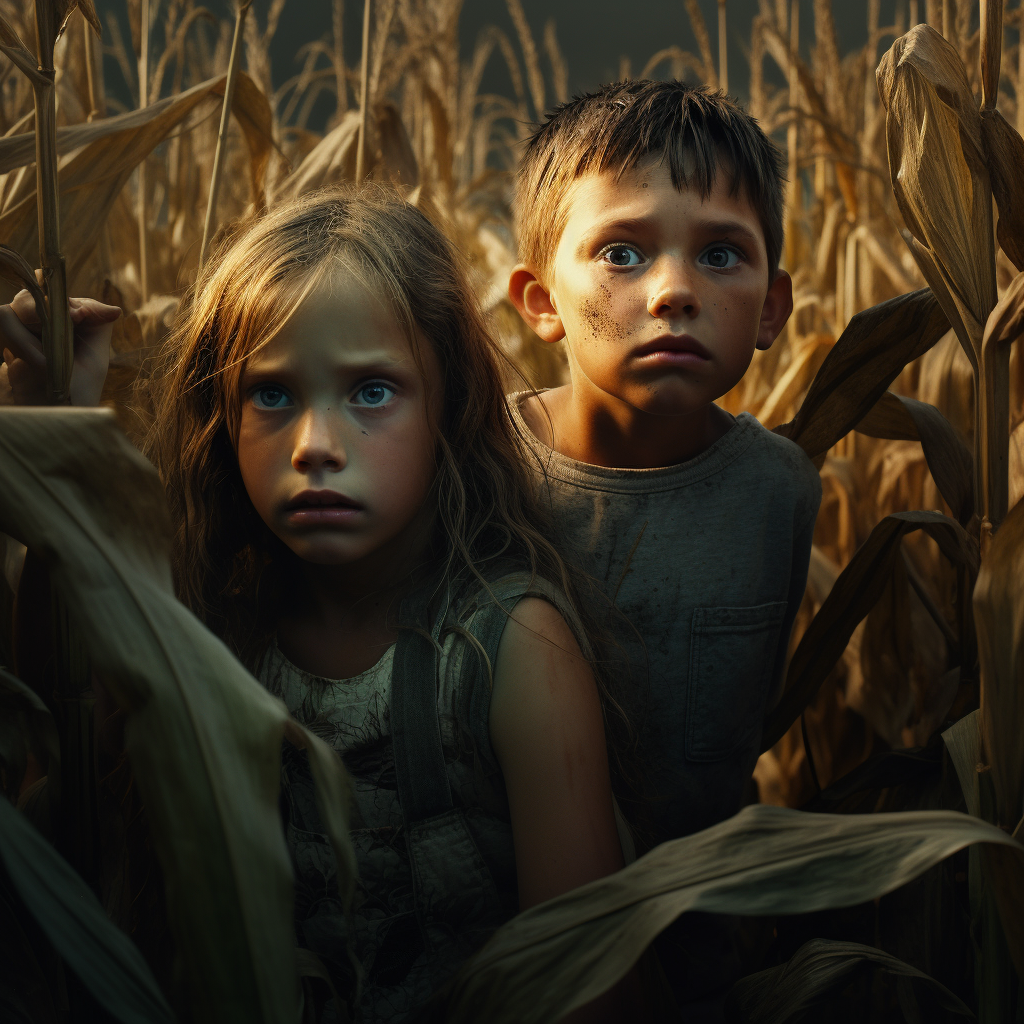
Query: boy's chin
x=671, y=399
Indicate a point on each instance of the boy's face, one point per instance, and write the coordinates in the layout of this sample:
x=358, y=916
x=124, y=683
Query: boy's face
x=662, y=297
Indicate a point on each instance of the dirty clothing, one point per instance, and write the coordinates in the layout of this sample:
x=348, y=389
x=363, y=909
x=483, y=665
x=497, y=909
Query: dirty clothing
x=708, y=561
x=431, y=828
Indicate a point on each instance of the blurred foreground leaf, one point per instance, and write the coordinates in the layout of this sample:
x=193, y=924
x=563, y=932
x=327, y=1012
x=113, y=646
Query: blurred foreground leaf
x=203, y=737
x=765, y=860
x=106, y=961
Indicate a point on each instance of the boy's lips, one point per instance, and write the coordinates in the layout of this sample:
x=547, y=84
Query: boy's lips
x=673, y=350
x=321, y=508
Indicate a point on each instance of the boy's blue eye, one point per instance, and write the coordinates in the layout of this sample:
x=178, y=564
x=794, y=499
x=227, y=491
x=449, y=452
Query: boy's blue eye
x=269, y=396
x=721, y=257
x=373, y=394
x=622, y=256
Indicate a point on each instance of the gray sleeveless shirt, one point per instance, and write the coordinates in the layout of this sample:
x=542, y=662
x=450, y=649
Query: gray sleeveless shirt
x=432, y=831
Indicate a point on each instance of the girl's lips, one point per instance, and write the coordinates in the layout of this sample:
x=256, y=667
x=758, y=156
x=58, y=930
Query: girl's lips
x=322, y=515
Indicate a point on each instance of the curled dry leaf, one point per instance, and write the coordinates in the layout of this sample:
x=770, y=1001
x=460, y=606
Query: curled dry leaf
x=106, y=961
x=898, y=418
x=108, y=151
x=1004, y=154
x=868, y=356
x=937, y=167
x=855, y=593
x=203, y=737
x=819, y=968
x=765, y=860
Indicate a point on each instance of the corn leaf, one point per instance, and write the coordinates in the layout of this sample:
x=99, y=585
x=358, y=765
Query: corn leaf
x=855, y=593
x=202, y=735
x=108, y=151
x=26, y=726
x=867, y=357
x=14, y=268
x=106, y=961
x=819, y=967
x=1004, y=154
x=12, y=47
x=937, y=167
x=52, y=17
x=765, y=860
x=899, y=418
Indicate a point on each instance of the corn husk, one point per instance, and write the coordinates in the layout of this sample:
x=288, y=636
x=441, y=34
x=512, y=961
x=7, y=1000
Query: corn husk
x=938, y=172
x=202, y=735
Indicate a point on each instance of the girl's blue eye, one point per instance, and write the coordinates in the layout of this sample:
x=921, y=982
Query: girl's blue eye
x=622, y=256
x=721, y=257
x=373, y=394
x=269, y=396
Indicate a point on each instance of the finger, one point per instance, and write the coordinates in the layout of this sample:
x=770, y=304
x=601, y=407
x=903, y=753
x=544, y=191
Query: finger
x=14, y=335
x=24, y=307
x=89, y=313
x=27, y=386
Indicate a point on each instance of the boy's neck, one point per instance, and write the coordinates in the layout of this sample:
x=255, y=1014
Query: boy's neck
x=593, y=427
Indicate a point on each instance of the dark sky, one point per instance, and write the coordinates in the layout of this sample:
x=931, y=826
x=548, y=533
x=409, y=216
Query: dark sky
x=593, y=34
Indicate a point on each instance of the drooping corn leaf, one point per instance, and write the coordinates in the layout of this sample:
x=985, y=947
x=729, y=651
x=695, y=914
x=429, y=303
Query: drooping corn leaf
x=764, y=860
x=1004, y=154
x=937, y=167
x=949, y=459
x=865, y=360
x=819, y=967
x=12, y=47
x=26, y=726
x=854, y=594
x=106, y=961
x=107, y=151
x=202, y=735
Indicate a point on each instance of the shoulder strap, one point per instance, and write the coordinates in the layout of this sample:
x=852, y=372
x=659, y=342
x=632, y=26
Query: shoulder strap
x=423, y=788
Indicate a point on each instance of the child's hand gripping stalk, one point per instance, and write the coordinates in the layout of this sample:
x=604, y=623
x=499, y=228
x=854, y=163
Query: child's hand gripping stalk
x=23, y=372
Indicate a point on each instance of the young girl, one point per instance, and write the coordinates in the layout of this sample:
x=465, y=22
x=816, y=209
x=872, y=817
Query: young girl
x=355, y=519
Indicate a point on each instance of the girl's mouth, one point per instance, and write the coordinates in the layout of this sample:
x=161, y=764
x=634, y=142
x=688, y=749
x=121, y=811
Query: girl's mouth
x=321, y=508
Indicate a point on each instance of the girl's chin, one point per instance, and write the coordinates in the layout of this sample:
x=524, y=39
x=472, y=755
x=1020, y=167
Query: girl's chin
x=330, y=552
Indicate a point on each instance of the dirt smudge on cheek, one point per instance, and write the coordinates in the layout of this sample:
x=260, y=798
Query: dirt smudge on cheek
x=597, y=316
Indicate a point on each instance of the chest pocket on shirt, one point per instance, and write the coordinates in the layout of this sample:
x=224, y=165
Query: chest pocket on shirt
x=732, y=655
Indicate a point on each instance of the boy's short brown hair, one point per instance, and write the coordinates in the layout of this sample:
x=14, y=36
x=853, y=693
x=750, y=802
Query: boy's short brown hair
x=618, y=127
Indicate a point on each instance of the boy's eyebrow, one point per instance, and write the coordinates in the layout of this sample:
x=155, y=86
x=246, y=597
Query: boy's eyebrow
x=727, y=227
x=705, y=227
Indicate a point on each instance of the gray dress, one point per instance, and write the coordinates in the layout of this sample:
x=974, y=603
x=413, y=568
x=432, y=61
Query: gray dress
x=432, y=831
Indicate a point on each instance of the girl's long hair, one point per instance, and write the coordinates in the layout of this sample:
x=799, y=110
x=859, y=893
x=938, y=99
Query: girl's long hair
x=229, y=568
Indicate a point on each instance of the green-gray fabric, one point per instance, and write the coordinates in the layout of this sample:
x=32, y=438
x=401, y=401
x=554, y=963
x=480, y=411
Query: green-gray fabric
x=708, y=560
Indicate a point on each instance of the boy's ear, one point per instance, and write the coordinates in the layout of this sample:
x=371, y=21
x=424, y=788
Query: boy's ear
x=534, y=303
x=778, y=305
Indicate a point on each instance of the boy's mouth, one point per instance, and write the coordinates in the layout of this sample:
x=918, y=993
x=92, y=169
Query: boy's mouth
x=321, y=508
x=673, y=350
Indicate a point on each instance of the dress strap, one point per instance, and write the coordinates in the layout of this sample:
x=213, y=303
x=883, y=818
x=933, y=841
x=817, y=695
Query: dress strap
x=423, y=787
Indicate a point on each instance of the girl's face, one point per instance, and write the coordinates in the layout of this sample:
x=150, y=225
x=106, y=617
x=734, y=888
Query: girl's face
x=336, y=446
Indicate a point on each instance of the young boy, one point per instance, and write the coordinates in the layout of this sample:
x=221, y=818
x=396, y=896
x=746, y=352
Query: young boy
x=649, y=217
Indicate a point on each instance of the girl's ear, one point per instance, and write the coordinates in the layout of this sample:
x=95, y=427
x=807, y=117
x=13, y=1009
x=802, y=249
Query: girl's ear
x=778, y=305
x=533, y=301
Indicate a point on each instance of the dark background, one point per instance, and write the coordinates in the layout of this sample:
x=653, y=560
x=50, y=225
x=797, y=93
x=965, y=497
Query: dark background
x=593, y=34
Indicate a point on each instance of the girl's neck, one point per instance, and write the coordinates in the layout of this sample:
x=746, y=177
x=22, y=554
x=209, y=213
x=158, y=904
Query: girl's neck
x=341, y=619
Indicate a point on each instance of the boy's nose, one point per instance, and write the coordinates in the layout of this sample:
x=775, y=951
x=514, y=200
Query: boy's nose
x=318, y=444
x=674, y=293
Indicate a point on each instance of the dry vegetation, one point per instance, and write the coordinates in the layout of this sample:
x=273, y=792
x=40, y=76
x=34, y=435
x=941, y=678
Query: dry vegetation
x=135, y=189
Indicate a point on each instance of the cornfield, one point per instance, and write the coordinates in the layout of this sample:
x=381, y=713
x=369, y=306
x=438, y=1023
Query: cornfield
x=897, y=743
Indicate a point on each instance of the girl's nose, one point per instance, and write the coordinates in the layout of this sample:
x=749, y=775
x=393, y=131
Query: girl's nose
x=674, y=293
x=318, y=444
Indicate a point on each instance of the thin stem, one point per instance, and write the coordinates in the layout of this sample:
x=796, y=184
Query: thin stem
x=723, y=55
x=57, y=335
x=364, y=100
x=90, y=71
x=222, y=137
x=991, y=51
x=143, y=102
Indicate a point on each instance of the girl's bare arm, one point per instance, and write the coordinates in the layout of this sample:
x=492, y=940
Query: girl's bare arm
x=548, y=733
